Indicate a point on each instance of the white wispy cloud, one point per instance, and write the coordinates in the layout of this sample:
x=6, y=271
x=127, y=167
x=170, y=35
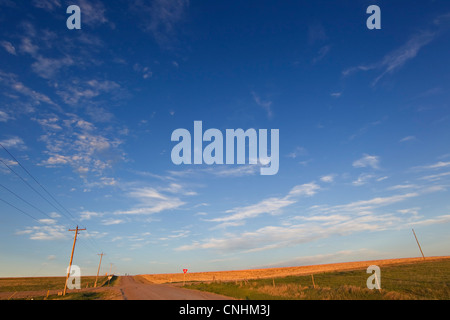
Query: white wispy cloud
x=150, y=201
x=367, y=161
x=110, y=222
x=323, y=221
x=265, y=104
x=408, y=138
x=435, y=177
x=179, y=189
x=27, y=46
x=298, y=151
x=273, y=237
x=403, y=186
x=47, y=221
x=436, y=220
x=4, y=117
x=36, y=44
x=14, y=143
x=411, y=211
x=363, y=179
x=47, y=68
x=397, y=58
x=46, y=232
x=93, y=12
x=35, y=98
x=307, y=190
x=221, y=171
x=162, y=18
x=82, y=92
x=272, y=205
x=88, y=215
x=179, y=234
x=51, y=122
x=322, y=53
x=8, y=47
x=53, y=55
x=48, y=5
x=361, y=131
x=437, y=165
x=234, y=171
x=408, y=51
x=328, y=178
x=79, y=144
x=145, y=71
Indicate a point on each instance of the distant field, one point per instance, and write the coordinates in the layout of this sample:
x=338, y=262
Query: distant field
x=45, y=283
x=429, y=279
x=278, y=272
x=21, y=288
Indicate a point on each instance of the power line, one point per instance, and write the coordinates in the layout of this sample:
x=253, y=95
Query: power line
x=26, y=182
x=29, y=215
x=43, y=188
x=90, y=238
x=7, y=189
x=32, y=188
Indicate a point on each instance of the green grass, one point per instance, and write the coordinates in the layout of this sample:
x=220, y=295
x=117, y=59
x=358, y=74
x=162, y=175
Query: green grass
x=57, y=283
x=70, y=296
x=46, y=283
x=423, y=280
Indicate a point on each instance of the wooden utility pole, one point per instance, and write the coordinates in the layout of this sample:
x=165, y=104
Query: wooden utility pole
x=101, y=256
x=71, y=256
x=110, y=276
x=418, y=244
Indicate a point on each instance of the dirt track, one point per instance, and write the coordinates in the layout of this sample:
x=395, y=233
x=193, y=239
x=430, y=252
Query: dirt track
x=132, y=289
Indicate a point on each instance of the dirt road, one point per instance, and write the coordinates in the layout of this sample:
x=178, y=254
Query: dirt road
x=136, y=290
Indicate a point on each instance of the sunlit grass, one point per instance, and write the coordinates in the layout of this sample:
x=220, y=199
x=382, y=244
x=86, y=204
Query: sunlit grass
x=44, y=283
x=421, y=280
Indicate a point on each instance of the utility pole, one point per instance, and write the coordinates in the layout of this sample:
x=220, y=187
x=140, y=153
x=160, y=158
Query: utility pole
x=110, y=276
x=418, y=244
x=71, y=256
x=101, y=256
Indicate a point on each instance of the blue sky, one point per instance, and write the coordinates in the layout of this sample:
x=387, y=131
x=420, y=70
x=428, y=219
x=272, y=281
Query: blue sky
x=363, y=117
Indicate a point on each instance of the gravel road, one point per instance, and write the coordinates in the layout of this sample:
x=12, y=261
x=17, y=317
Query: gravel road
x=136, y=290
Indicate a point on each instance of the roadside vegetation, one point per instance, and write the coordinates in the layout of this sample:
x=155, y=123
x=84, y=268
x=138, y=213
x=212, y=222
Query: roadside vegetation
x=47, y=288
x=428, y=280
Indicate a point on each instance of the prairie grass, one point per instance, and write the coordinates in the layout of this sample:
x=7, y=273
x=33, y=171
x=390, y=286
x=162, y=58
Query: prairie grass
x=44, y=283
x=428, y=280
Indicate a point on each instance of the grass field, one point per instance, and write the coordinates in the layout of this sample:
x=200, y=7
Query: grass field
x=278, y=272
x=401, y=279
x=25, y=288
x=38, y=284
x=418, y=280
